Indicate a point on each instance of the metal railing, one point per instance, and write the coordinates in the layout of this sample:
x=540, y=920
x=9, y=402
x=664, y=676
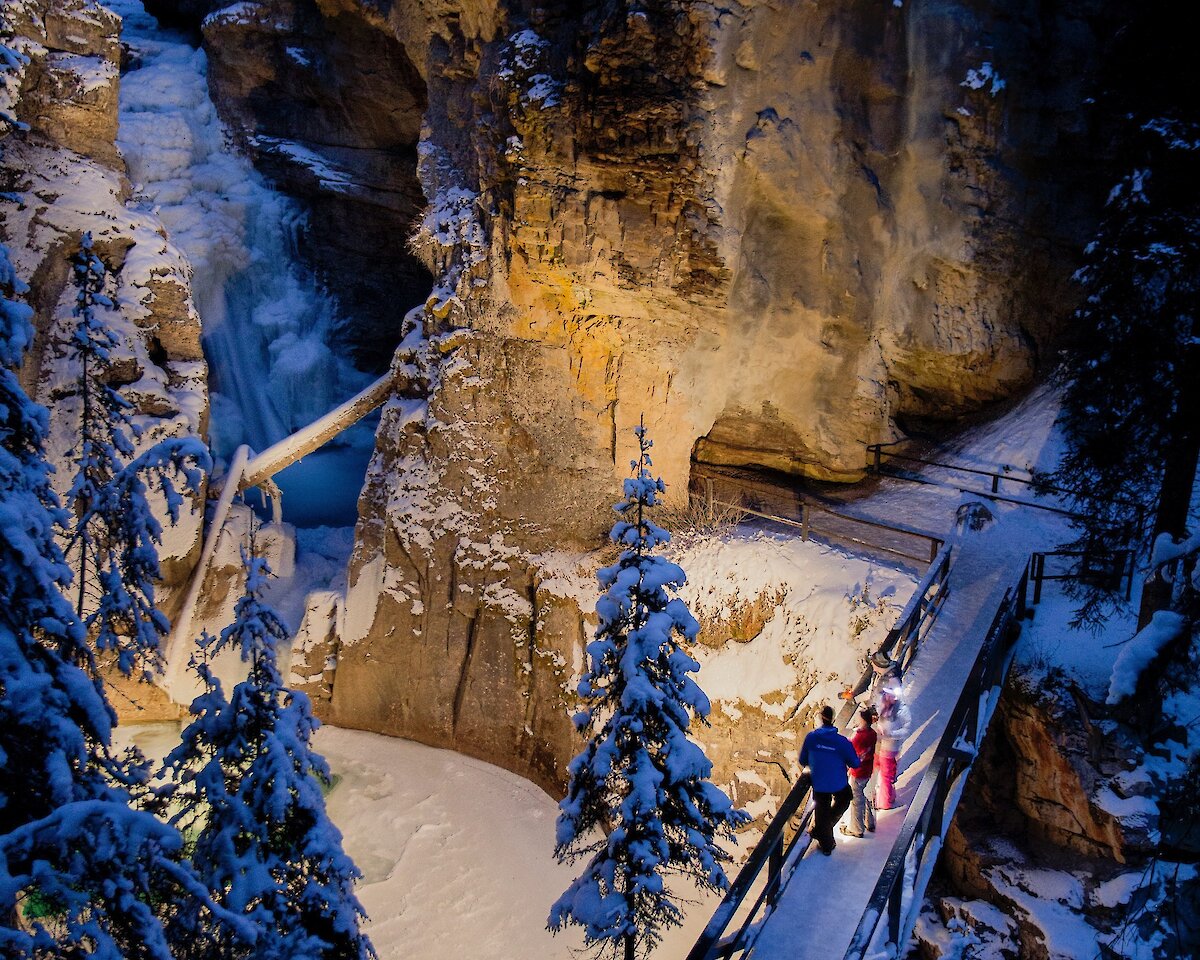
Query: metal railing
x=814, y=520
x=877, y=453
x=901, y=886
x=777, y=850
x=1107, y=570
x=876, y=465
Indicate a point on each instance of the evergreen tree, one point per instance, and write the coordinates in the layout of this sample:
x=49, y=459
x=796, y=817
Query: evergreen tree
x=116, y=535
x=1131, y=403
x=247, y=786
x=78, y=866
x=639, y=805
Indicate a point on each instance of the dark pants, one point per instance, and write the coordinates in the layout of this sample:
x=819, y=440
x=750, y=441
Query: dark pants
x=830, y=807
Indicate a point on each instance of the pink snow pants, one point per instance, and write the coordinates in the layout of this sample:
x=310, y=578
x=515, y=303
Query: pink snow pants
x=885, y=787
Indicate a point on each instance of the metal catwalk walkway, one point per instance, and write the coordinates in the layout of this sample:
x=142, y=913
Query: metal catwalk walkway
x=809, y=905
x=830, y=894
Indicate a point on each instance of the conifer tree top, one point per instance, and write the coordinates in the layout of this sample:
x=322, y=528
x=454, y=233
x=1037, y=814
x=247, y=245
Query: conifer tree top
x=639, y=779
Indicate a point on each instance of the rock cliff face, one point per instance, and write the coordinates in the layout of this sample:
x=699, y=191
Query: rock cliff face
x=330, y=106
x=62, y=175
x=1058, y=840
x=776, y=231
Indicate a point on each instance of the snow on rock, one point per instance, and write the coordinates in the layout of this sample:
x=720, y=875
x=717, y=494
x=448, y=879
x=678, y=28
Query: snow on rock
x=264, y=15
x=67, y=180
x=449, y=239
x=1138, y=653
x=984, y=77
x=831, y=609
x=785, y=626
x=965, y=930
x=1053, y=902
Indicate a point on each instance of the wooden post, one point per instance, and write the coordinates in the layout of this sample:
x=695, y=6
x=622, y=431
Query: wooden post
x=708, y=493
x=995, y=483
x=805, y=510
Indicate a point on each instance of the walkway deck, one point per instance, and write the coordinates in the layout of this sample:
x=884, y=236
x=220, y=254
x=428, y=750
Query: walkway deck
x=825, y=897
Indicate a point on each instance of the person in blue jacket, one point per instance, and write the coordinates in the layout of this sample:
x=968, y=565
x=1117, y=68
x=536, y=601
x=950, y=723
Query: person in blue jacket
x=828, y=755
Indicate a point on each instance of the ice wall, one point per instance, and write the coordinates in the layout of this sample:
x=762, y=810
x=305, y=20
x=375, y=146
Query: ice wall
x=266, y=321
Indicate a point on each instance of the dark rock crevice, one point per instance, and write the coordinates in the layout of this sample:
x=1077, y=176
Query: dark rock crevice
x=329, y=107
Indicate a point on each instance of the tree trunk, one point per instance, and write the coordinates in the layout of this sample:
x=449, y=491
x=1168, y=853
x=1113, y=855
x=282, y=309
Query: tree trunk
x=1179, y=479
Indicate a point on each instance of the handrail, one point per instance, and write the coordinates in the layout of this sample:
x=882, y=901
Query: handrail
x=877, y=449
x=807, y=509
x=919, y=842
x=1122, y=565
x=876, y=466
x=771, y=850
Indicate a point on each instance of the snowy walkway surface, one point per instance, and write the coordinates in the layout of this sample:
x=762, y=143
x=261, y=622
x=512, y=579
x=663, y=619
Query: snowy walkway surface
x=830, y=894
x=826, y=896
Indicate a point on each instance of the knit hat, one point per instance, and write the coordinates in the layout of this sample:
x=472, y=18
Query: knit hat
x=827, y=713
x=881, y=662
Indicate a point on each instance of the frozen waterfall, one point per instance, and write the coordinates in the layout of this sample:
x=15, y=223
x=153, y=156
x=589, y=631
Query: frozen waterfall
x=266, y=321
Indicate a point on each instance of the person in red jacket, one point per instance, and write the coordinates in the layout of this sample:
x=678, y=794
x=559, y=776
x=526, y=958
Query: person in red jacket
x=862, y=813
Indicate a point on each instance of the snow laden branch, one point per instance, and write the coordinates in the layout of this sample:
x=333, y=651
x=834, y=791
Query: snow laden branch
x=640, y=805
x=79, y=866
x=115, y=537
x=246, y=785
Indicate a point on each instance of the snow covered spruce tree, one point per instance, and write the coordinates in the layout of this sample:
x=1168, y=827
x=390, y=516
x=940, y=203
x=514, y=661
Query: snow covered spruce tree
x=1131, y=369
x=78, y=866
x=247, y=791
x=639, y=805
x=115, y=536
x=1131, y=403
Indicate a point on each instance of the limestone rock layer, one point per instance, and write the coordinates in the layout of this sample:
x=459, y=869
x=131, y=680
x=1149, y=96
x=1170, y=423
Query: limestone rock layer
x=63, y=175
x=775, y=231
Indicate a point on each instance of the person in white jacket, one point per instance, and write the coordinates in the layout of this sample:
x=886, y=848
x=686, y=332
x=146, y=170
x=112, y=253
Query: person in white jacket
x=892, y=729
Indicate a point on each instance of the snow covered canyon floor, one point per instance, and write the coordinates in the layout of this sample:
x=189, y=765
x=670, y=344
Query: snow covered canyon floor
x=457, y=854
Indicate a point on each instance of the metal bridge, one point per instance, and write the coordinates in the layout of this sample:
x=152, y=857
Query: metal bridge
x=955, y=642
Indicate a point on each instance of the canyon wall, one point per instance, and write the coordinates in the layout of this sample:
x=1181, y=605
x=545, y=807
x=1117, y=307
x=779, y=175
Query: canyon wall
x=1070, y=839
x=776, y=232
x=63, y=175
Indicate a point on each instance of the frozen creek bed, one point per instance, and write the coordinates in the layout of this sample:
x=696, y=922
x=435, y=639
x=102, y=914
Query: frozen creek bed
x=456, y=854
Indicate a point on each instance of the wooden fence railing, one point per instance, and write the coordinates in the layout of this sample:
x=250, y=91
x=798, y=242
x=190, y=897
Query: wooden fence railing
x=816, y=521
x=778, y=846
